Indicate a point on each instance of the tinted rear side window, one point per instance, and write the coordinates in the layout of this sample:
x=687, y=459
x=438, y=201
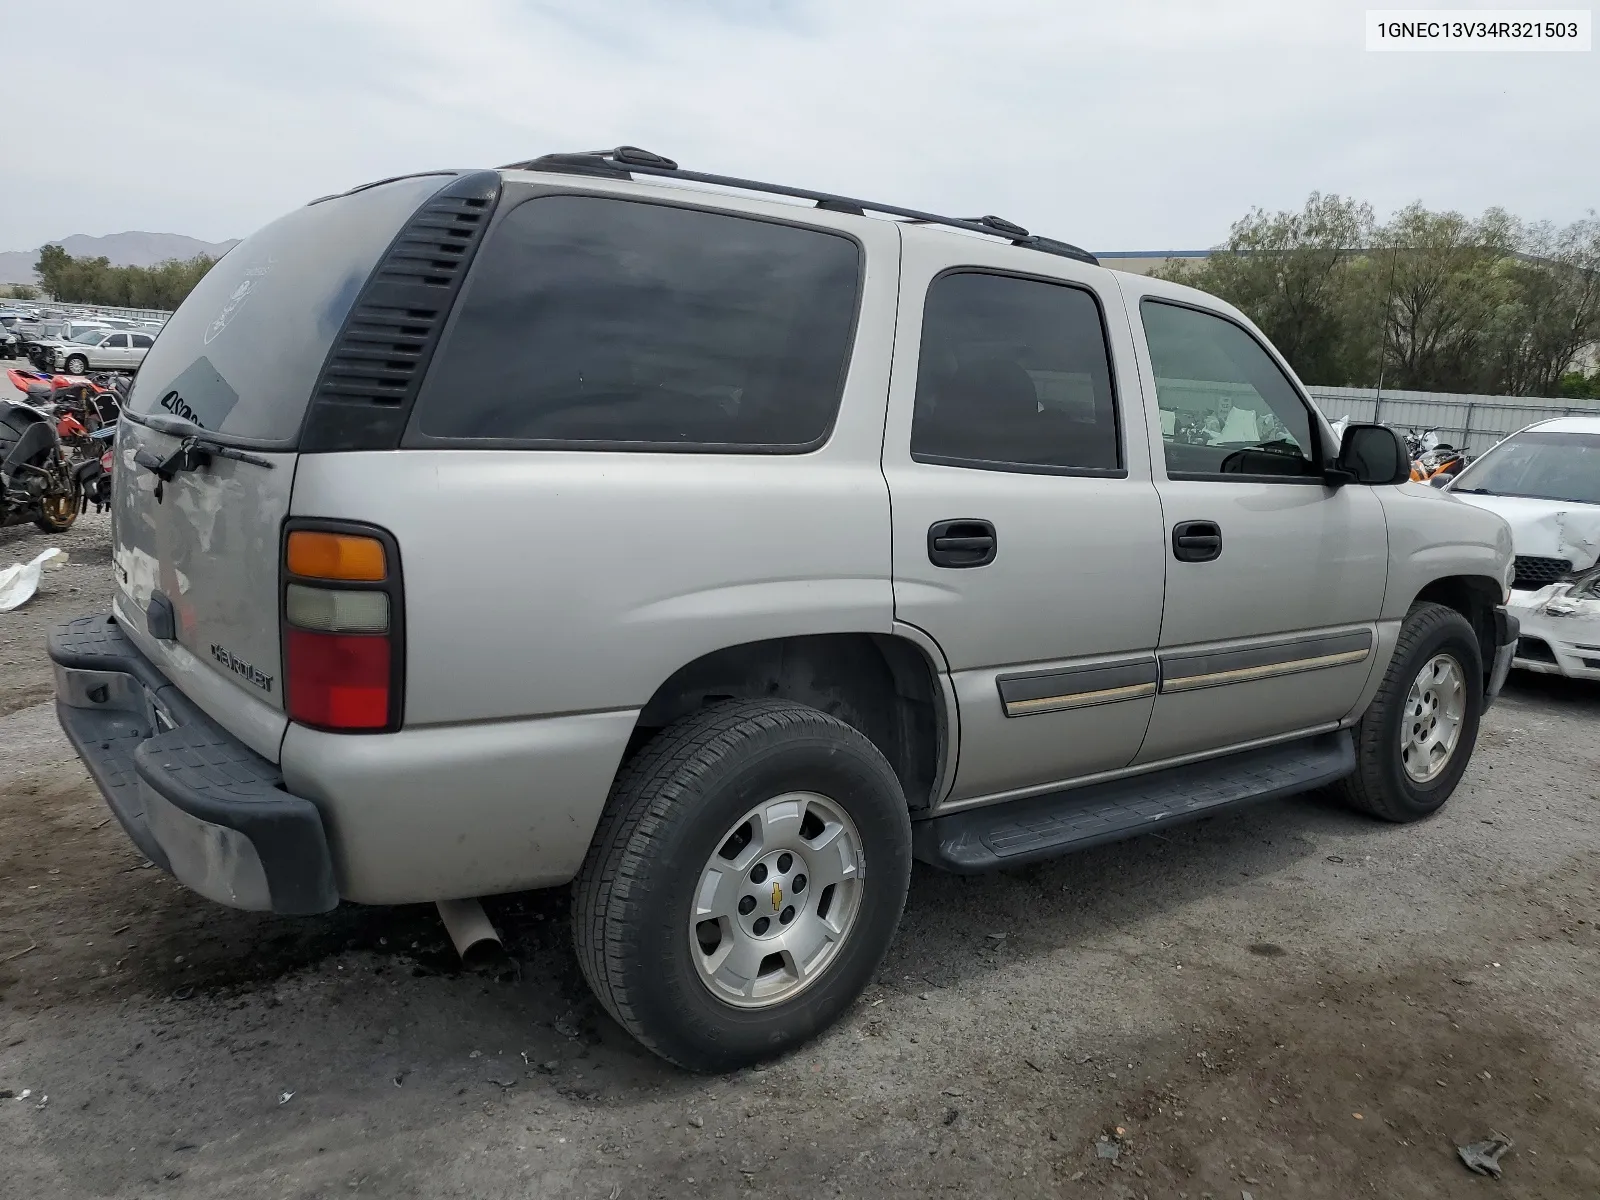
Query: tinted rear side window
x=599, y=323
x=1014, y=374
x=242, y=354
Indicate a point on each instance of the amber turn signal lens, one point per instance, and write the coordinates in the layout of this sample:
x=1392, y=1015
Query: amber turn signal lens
x=315, y=555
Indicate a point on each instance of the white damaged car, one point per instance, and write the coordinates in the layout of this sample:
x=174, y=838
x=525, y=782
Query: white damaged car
x=1545, y=481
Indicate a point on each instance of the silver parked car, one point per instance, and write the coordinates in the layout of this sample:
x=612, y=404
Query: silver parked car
x=719, y=555
x=103, y=349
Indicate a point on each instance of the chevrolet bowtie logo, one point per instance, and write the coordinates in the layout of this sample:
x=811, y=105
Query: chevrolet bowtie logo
x=777, y=896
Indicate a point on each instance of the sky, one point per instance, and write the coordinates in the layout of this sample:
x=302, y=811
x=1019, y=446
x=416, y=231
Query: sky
x=1115, y=125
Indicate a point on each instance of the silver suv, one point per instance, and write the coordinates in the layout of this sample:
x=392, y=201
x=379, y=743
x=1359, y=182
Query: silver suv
x=718, y=548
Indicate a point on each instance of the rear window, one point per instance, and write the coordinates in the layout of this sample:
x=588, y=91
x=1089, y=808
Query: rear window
x=598, y=323
x=242, y=354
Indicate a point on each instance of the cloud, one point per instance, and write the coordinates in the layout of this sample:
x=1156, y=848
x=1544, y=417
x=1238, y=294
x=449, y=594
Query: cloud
x=1138, y=125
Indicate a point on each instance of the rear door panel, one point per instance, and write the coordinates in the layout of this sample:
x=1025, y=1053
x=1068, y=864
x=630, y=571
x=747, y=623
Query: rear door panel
x=1051, y=645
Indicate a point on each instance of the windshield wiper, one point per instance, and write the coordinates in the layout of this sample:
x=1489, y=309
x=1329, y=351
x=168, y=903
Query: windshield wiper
x=1475, y=491
x=194, y=451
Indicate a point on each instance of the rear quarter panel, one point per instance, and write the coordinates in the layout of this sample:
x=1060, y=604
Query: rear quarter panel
x=543, y=582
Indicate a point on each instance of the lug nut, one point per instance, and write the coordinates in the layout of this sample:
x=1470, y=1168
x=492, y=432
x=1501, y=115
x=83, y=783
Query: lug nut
x=762, y=925
x=759, y=873
x=799, y=884
x=747, y=906
x=786, y=915
x=785, y=861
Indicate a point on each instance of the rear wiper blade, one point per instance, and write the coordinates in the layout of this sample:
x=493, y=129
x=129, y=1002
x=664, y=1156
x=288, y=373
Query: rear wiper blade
x=194, y=451
x=191, y=454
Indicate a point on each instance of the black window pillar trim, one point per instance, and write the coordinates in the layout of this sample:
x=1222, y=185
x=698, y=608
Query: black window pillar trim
x=374, y=370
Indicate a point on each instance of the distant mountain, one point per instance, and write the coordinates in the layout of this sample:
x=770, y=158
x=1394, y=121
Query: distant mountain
x=123, y=249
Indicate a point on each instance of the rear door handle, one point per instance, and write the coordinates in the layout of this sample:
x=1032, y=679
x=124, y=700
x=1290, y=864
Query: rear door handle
x=968, y=542
x=1196, y=541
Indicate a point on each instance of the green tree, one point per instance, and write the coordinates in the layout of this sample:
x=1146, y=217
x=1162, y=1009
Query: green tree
x=1435, y=301
x=1549, y=308
x=1442, y=282
x=1292, y=273
x=96, y=281
x=24, y=291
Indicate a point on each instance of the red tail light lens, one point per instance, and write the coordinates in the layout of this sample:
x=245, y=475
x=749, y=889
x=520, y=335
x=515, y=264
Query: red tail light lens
x=343, y=626
x=338, y=680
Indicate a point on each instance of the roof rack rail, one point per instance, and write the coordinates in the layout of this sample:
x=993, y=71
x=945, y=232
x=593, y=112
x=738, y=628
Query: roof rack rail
x=625, y=162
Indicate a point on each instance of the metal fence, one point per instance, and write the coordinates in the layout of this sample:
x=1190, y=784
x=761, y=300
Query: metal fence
x=92, y=310
x=1473, y=423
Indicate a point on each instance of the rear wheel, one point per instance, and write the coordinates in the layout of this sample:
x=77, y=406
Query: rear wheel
x=1415, y=739
x=57, y=513
x=744, y=883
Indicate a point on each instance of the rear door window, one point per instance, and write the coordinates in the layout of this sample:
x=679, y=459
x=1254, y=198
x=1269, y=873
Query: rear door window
x=242, y=354
x=615, y=324
x=1014, y=374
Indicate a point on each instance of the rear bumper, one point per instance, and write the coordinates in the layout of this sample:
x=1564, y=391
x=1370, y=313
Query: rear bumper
x=195, y=800
x=1506, y=628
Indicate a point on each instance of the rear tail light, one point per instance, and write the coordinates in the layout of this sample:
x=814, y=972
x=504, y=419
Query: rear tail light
x=106, y=460
x=342, y=640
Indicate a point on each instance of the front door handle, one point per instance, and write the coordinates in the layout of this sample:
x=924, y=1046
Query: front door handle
x=1196, y=541
x=969, y=542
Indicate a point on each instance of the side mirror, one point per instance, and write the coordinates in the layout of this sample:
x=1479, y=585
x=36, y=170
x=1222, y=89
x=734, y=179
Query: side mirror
x=1370, y=454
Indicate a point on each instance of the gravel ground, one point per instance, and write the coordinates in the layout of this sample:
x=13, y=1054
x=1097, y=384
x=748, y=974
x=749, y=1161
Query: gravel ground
x=1287, y=1002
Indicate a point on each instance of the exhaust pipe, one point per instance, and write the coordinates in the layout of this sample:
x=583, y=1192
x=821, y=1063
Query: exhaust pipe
x=475, y=939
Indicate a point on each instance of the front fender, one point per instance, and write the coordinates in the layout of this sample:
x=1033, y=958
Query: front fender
x=1434, y=536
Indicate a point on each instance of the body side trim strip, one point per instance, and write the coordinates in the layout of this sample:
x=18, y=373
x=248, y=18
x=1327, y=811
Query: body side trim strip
x=1029, y=692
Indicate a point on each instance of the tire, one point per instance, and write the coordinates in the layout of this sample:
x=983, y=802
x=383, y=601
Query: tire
x=1382, y=785
x=82, y=365
x=61, y=515
x=666, y=829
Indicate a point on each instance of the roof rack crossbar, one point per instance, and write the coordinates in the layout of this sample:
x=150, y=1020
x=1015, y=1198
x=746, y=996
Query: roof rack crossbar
x=625, y=161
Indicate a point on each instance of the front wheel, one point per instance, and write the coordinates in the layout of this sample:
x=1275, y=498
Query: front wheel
x=744, y=883
x=1415, y=739
x=76, y=365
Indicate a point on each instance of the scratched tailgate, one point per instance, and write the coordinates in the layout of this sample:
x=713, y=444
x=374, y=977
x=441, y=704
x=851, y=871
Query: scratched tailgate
x=197, y=536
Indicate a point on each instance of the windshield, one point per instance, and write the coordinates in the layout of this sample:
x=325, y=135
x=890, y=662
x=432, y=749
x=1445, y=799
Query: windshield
x=1545, y=466
x=90, y=337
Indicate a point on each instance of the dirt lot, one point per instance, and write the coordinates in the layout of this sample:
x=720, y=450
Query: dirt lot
x=1287, y=1002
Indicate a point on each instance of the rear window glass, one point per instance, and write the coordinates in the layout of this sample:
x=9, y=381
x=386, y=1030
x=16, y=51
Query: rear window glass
x=241, y=355
x=602, y=323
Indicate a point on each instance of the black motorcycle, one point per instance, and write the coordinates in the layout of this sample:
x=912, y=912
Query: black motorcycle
x=93, y=471
x=38, y=481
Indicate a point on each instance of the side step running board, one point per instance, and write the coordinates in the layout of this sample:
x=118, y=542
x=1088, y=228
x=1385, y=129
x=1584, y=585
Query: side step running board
x=1038, y=827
